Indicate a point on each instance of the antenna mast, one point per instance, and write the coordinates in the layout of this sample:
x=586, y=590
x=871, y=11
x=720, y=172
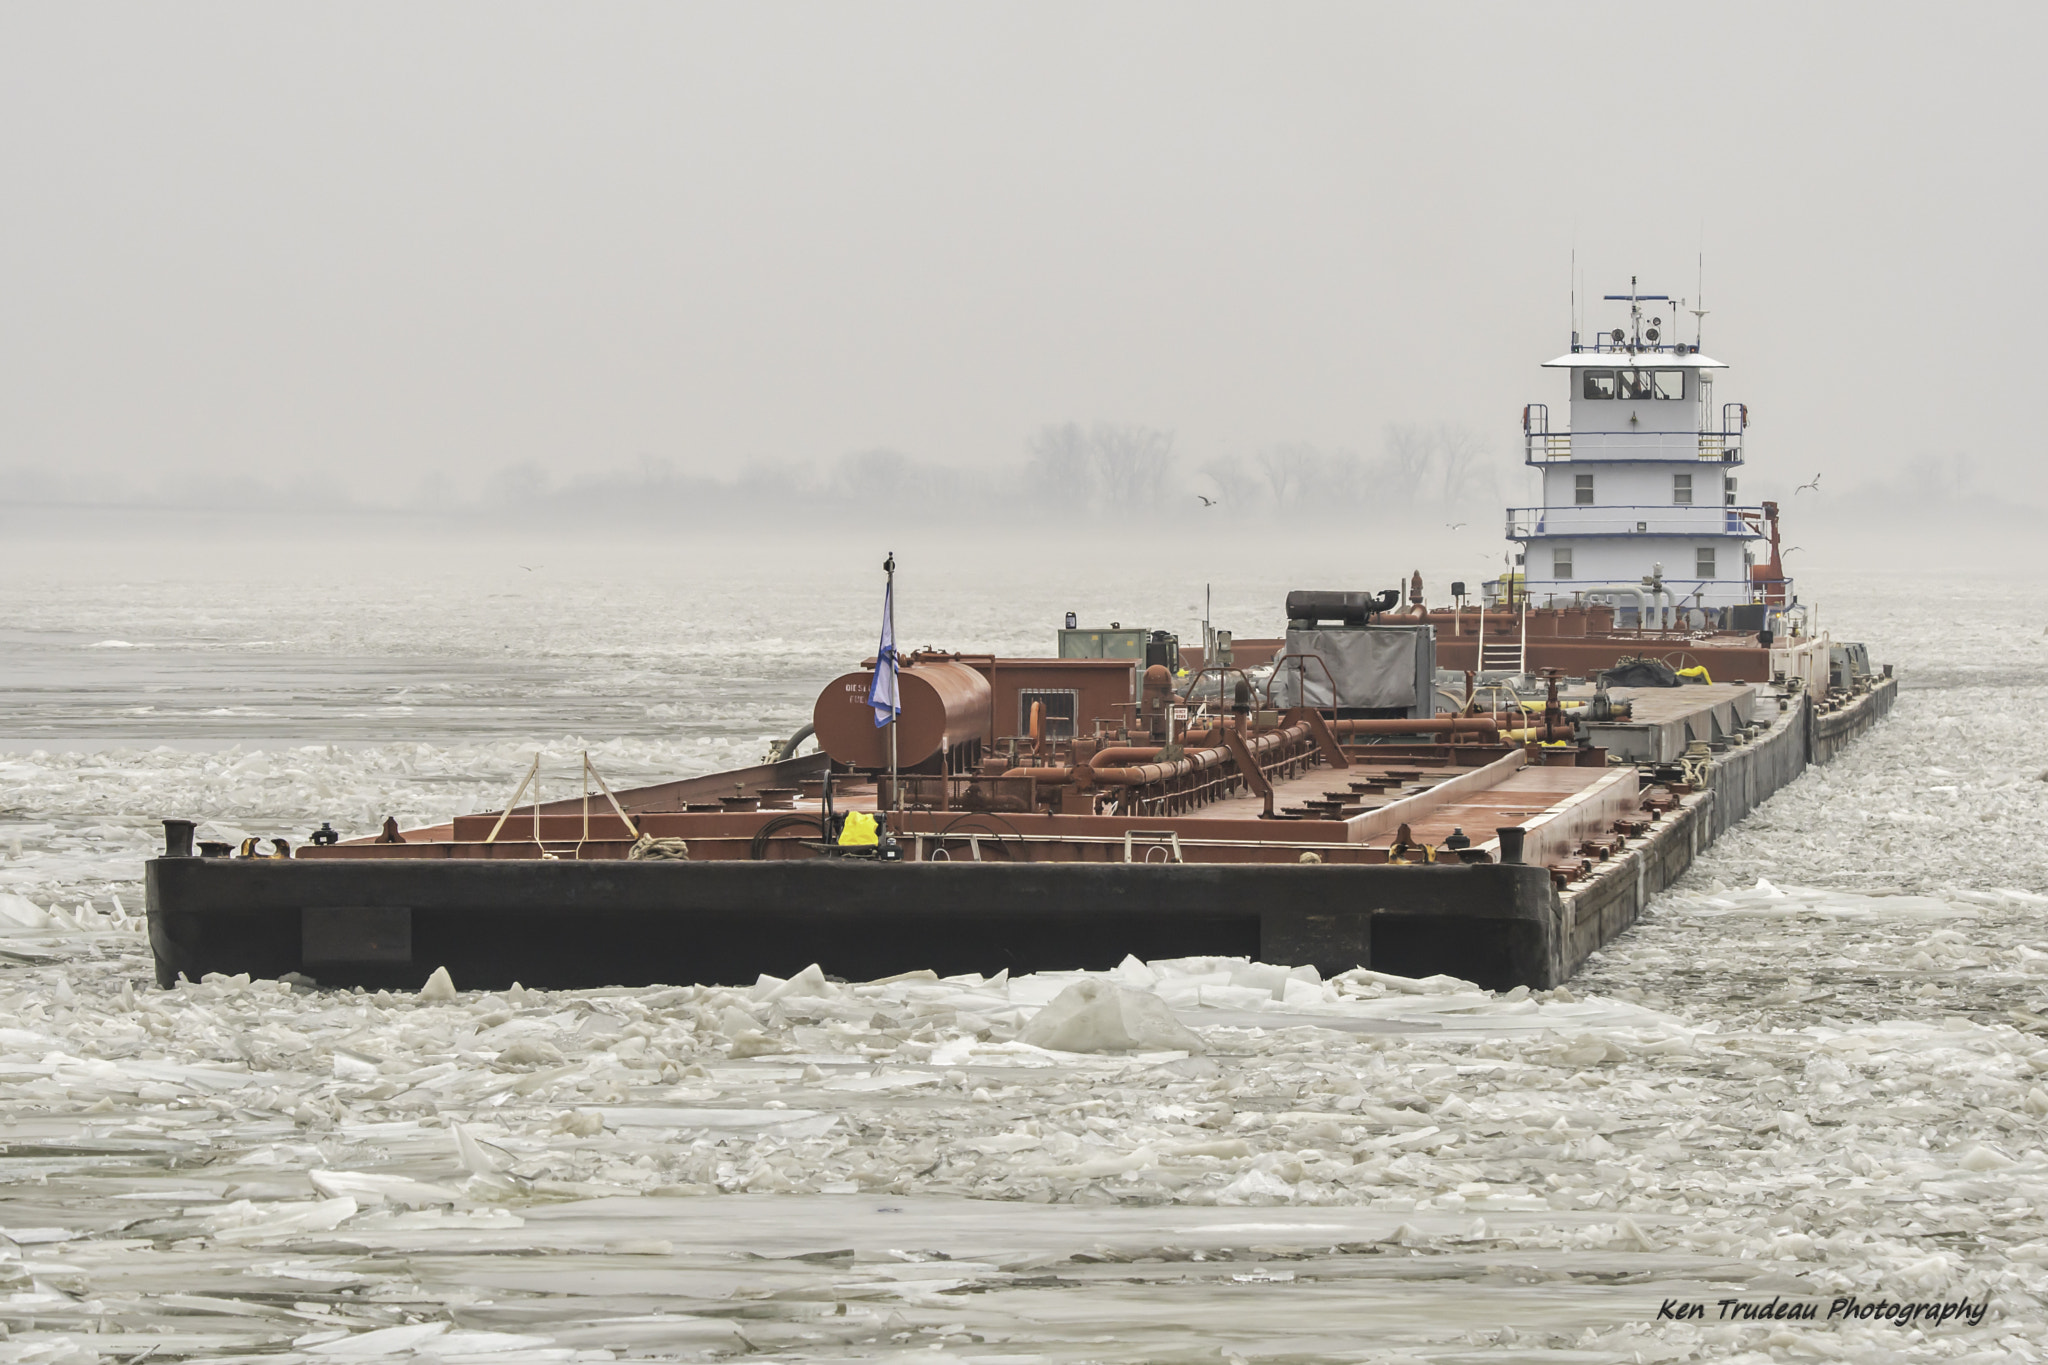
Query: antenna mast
x=1699, y=296
x=1635, y=299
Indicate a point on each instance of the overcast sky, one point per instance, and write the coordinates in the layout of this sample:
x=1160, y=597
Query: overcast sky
x=385, y=241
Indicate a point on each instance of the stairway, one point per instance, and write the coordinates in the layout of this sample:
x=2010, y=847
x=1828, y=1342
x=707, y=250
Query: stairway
x=1506, y=654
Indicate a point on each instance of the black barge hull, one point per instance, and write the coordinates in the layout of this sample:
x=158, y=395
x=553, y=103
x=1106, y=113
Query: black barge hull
x=568, y=925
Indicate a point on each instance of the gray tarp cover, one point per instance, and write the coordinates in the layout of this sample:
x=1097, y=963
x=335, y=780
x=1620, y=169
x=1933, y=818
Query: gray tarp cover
x=1369, y=667
x=1641, y=673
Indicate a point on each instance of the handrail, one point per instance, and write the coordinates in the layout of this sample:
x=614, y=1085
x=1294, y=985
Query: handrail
x=531, y=778
x=1637, y=519
x=1724, y=430
x=1301, y=673
x=1681, y=589
x=1604, y=345
x=1541, y=446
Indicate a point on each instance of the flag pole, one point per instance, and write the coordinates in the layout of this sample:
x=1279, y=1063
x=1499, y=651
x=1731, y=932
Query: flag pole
x=896, y=688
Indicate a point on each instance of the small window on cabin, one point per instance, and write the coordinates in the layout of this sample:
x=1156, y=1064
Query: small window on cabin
x=1560, y=564
x=1703, y=562
x=1728, y=489
x=1681, y=489
x=1635, y=384
x=1062, y=704
x=1599, y=384
x=1582, y=490
x=1669, y=383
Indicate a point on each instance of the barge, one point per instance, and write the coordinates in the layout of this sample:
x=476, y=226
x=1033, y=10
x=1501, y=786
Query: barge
x=1490, y=788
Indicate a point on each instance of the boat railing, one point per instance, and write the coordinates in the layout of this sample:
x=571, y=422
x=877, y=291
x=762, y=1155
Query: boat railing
x=1657, y=519
x=1541, y=445
x=1140, y=846
x=1685, y=593
x=1603, y=343
x=1555, y=447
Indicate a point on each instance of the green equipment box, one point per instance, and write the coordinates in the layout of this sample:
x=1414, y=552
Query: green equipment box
x=1119, y=643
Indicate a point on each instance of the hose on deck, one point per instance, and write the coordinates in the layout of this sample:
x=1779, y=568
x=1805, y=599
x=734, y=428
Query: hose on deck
x=787, y=749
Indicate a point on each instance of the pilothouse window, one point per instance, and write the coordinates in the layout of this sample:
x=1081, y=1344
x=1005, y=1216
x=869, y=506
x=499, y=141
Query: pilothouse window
x=1599, y=384
x=1670, y=384
x=1635, y=384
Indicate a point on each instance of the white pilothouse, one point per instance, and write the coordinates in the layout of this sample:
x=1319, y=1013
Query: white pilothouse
x=1641, y=505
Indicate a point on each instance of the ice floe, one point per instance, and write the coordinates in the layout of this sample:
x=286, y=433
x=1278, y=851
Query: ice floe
x=1818, y=1069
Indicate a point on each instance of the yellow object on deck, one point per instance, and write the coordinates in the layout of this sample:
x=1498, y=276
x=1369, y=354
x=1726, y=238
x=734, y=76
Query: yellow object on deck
x=858, y=831
x=1697, y=673
x=1532, y=735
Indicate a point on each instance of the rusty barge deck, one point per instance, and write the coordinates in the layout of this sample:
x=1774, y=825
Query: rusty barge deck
x=1305, y=843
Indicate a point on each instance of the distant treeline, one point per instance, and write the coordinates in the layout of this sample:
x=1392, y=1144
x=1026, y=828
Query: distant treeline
x=1069, y=473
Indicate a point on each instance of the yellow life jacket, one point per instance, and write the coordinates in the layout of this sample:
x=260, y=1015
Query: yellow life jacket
x=858, y=831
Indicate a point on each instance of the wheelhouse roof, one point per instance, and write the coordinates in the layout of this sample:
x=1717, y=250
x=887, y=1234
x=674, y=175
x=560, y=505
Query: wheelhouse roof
x=1640, y=360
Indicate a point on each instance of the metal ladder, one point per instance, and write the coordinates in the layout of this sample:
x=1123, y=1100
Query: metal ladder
x=1505, y=656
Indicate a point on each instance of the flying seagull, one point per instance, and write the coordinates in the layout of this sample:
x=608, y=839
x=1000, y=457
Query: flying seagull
x=1794, y=550
x=1206, y=502
x=1815, y=486
x=1454, y=525
x=531, y=567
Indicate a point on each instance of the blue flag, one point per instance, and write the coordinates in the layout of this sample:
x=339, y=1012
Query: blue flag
x=882, y=693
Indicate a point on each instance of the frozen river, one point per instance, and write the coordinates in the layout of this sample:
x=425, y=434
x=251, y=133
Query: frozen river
x=1817, y=1073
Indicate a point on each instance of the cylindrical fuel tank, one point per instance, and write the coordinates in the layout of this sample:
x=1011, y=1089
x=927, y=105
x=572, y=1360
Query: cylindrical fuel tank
x=1350, y=608
x=944, y=704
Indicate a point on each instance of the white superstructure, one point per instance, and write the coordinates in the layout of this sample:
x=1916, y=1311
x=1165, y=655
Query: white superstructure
x=1641, y=495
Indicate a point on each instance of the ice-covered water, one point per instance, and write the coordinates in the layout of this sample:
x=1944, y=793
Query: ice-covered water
x=1817, y=1070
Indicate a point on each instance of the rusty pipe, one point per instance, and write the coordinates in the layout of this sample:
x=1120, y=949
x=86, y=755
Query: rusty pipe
x=1189, y=740
x=1049, y=776
x=1131, y=753
x=1118, y=754
x=1083, y=773
x=1144, y=775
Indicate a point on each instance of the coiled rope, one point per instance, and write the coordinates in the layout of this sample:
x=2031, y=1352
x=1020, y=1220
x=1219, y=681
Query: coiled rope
x=647, y=848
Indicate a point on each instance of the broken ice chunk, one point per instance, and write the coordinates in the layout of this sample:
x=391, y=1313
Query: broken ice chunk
x=376, y=1187
x=1099, y=1016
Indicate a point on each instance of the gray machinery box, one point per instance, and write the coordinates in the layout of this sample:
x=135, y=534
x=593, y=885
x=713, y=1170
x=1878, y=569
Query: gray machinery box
x=1385, y=669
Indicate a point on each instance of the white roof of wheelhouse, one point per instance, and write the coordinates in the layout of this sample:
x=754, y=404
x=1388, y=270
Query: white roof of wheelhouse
x=1640, y=360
